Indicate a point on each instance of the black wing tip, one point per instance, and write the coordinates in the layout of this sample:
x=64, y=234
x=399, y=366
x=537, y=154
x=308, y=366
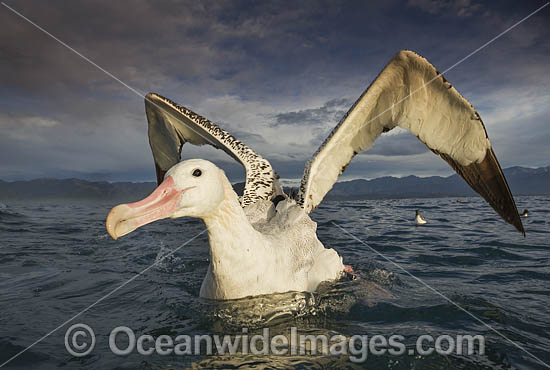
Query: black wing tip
x=506, y=193
x=519, y=227
x=513, y=217
x=488, y=180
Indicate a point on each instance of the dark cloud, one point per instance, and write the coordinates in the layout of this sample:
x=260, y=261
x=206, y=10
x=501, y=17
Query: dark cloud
x=248, y=137
x=278, y=75
x=332, y=111
x=460, y=8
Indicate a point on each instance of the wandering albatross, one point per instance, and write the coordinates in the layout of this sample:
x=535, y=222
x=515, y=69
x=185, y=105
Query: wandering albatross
x=264, y=241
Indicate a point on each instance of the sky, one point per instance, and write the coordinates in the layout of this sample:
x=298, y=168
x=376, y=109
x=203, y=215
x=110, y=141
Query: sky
x=278, y=75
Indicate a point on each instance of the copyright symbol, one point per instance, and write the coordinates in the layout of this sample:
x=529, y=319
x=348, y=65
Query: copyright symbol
x=79, y=340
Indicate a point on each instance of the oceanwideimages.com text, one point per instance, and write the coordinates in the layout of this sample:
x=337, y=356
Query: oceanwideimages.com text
x=80, y=341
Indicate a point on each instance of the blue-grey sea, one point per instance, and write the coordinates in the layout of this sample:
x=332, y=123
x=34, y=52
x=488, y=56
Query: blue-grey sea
x=57, y=260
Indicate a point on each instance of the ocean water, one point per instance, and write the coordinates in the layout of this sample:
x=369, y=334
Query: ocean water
x=56, y=260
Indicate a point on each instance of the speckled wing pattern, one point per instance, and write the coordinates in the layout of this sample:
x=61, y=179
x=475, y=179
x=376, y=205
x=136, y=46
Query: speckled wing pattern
x=412, y=94
x=172, y=125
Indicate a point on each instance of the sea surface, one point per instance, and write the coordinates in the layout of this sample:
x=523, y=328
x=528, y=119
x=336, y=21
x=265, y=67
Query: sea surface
x=465, y=272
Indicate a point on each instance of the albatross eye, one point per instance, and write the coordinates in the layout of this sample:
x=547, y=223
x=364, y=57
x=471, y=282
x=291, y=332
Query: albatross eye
x=197, y=172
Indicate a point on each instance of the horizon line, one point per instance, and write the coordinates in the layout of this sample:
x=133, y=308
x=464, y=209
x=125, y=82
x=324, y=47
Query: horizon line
x=283, y=180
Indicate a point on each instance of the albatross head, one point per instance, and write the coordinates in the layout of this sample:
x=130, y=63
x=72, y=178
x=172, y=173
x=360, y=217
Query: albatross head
x=193, y=188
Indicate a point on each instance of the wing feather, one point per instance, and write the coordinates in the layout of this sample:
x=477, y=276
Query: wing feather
x=412, y=94
x=172, y=125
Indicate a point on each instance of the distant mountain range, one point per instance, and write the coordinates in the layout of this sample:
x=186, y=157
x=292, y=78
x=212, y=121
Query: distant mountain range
x=522, y=181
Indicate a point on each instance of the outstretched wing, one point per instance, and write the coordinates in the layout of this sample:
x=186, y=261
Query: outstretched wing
x=172, y=125
x=412, y=94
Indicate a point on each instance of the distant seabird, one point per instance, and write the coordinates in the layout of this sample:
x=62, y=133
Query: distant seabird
x=525, y=213
x=419, y=219
x=259, y=247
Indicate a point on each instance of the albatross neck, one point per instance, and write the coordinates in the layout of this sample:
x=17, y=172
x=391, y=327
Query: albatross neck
x=229, y=231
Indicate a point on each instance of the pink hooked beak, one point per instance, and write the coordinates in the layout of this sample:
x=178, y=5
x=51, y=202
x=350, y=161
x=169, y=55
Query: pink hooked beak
x=162, y=203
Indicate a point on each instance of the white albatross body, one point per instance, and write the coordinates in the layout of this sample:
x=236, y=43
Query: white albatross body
x=265, y=242
x=264, y=249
